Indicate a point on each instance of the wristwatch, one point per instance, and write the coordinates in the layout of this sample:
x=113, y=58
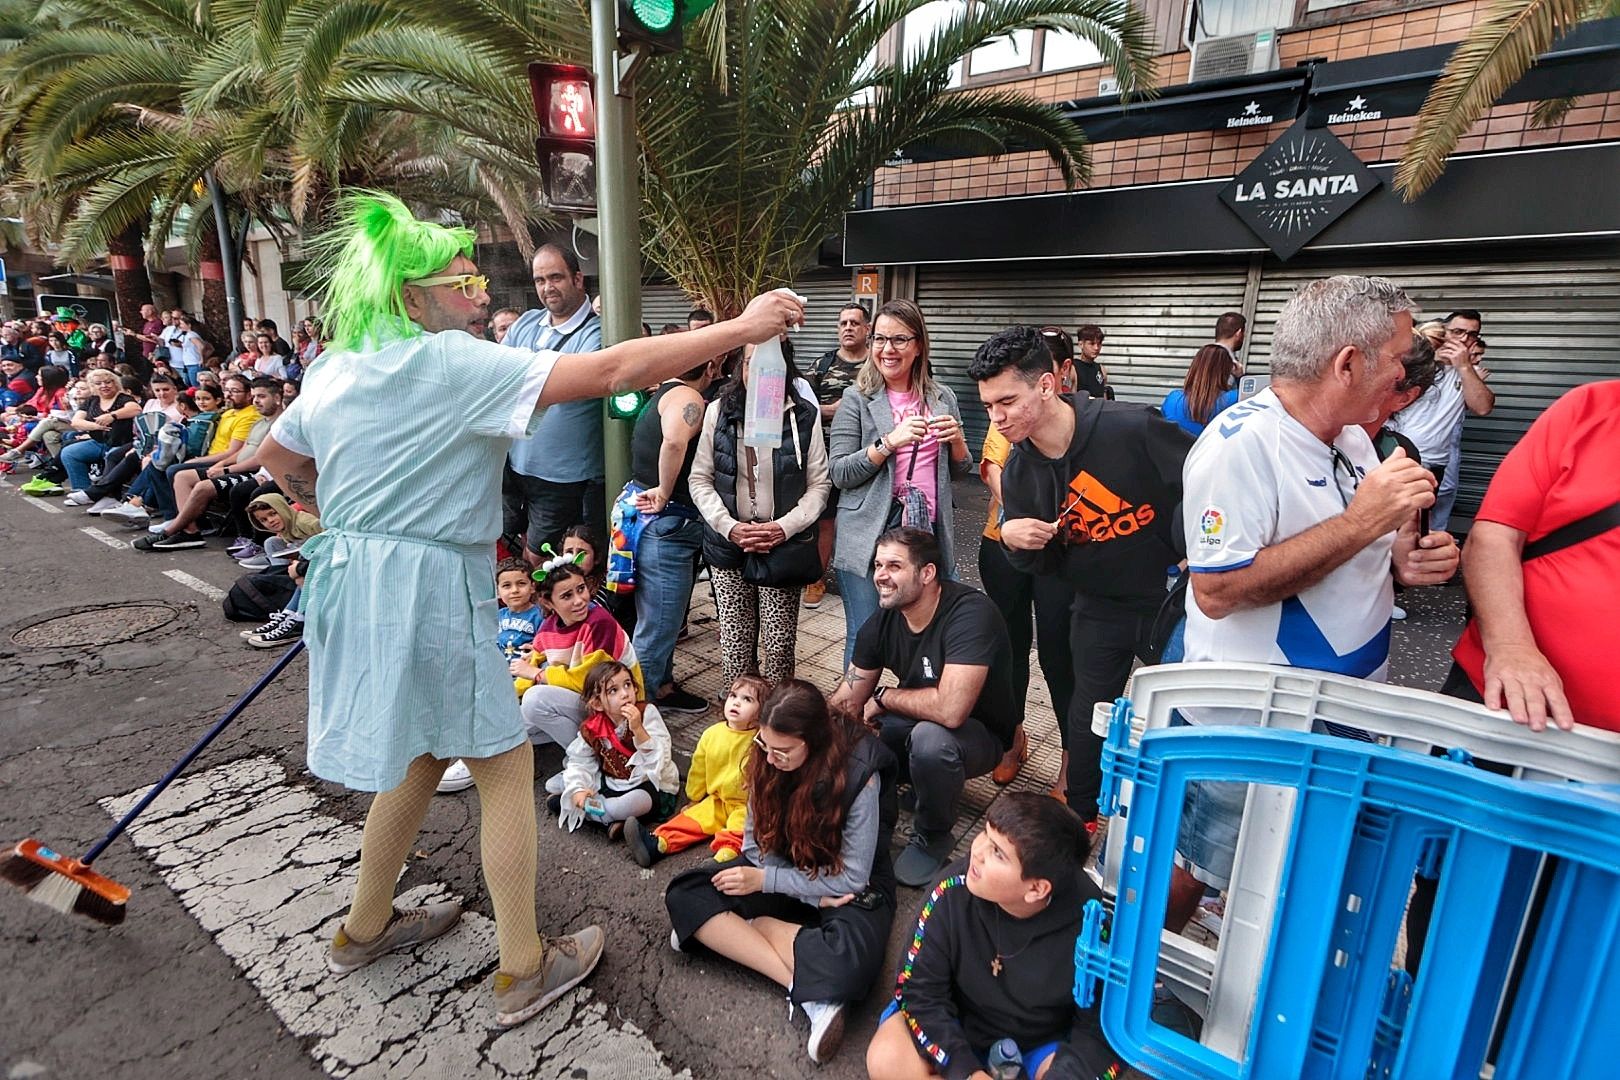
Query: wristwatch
x=877, y=695
x=881, y=446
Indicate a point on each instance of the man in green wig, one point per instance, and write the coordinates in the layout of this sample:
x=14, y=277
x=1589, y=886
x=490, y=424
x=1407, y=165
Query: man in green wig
x=397, y=440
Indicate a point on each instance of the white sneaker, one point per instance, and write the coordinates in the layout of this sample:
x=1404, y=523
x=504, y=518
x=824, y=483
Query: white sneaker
x=675, y=940
x=456, y=778
x=127, y=512
x=826, y=1029
x=102, y=505
x=1398, y=614
x=158, y=529
x=555, y=785
x=76, y=498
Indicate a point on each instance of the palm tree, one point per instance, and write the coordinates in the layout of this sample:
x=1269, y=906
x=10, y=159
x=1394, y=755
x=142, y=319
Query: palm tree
x=1495, y=55
x=757, y=136
x=114, y=113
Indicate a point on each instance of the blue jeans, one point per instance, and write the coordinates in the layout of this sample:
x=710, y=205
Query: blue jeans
x=860, y=603
x=77, y=457
x=189, y=374
x=665, y=560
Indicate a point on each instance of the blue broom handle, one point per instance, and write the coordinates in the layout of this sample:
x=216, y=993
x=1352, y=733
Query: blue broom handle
x=191, y=755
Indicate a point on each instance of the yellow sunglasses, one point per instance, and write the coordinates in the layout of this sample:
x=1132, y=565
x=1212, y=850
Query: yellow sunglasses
x=469, y=284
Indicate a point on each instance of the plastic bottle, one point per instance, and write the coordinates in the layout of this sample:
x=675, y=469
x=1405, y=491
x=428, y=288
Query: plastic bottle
x=1006, y=1063
x=767, y=391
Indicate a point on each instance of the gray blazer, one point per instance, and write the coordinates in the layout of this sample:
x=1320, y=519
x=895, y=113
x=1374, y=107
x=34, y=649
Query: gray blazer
x=866, y=490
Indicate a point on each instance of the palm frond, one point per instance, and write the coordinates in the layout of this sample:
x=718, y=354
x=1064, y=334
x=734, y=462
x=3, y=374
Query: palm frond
x=1494, y=56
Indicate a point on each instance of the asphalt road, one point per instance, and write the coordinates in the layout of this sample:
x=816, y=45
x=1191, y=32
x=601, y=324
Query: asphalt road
x=239, y=874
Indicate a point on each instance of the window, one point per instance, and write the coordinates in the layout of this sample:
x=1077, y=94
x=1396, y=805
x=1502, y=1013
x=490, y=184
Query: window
x=921, y=25
x=1061, y=51
x=1011, y=53
x=1024, y=52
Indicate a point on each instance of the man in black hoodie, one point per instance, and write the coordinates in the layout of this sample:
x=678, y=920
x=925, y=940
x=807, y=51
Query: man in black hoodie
x=993, y=957
x=1092, y=492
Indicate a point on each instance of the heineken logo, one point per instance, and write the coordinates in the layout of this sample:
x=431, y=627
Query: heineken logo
x=1300, y=184
x=1250, y=117
x=1355, y=110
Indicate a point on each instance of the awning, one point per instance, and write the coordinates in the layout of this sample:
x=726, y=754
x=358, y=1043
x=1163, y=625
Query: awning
x=1229, y=104
x=1494, y=196
x=1584, y=61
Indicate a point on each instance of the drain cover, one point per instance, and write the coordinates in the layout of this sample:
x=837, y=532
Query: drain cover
x=97, y=626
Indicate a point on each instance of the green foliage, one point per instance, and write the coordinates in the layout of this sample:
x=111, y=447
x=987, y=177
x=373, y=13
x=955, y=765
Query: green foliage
x=755, y=138
x=1495, y=55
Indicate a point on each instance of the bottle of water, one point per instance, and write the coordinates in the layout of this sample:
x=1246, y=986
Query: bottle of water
x=1006, y=1063
x=767, y=391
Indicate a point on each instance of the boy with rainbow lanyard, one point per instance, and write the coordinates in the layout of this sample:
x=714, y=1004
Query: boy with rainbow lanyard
x=993, y=958
x=403, y=673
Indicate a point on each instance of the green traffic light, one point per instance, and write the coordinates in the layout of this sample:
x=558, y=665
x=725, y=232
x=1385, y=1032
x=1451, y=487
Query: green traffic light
x=626, y=406
x=656, y=15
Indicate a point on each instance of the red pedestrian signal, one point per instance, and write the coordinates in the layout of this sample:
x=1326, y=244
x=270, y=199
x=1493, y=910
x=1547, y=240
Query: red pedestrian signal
x=565, y=105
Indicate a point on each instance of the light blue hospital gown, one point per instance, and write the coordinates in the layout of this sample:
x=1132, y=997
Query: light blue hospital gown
x=399, y=602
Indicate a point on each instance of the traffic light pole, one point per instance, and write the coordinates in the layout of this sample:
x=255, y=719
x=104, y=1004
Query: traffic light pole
x=618, y=208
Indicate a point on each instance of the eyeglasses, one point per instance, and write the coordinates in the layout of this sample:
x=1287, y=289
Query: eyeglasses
x=1340, y=460
x=899, y=341
x=469, y=284
x=781, y=757
x=1462, y=333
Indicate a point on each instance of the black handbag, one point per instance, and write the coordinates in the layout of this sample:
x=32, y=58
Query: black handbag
x=792, y=563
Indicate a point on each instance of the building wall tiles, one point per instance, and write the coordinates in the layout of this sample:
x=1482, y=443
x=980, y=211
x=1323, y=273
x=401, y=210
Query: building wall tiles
x=1203, y=155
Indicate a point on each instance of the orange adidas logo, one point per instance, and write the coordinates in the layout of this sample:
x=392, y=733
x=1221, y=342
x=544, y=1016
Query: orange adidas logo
x=1095, y=514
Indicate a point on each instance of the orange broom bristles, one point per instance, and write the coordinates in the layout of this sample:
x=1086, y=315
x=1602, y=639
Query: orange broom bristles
x=63, y=884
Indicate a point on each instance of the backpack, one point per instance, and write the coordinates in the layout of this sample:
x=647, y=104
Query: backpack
x=257, y=596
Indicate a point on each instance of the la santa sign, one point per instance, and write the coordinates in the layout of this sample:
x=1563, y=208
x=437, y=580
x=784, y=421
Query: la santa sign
x=1297, y=187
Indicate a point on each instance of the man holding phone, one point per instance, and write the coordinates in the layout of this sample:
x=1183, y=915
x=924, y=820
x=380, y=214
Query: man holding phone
x=1293, y=525
x=1434, y=421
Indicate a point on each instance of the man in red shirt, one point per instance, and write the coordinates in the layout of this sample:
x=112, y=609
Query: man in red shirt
x=1546, y=628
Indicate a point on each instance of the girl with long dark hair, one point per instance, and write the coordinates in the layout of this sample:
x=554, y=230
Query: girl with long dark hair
x=810, y=902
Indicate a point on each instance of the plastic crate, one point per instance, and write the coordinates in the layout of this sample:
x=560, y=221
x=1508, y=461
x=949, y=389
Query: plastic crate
x=1327, y=1004
x=1222, y=985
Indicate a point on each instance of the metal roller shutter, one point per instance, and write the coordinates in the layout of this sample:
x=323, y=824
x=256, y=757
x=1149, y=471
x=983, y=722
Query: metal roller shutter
x=824, y=293
x=1551, y=323
x=1154, y=318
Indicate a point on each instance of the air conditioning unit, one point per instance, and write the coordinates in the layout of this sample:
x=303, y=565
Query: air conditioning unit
x=1239, y=54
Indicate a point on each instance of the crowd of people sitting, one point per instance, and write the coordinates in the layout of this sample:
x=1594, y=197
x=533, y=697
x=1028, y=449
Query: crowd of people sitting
x=1293, y=519
x=155, y=430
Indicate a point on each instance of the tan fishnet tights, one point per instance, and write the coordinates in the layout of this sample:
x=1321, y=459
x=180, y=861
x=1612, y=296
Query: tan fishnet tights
x=507, y=837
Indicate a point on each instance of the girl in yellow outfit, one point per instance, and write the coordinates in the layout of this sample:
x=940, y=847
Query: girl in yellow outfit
x=714, y=783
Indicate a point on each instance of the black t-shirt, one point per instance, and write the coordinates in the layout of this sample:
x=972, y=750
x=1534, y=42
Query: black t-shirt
x=122, y=431
x=1116, y=496
x=966, y=629
x=1088, y=377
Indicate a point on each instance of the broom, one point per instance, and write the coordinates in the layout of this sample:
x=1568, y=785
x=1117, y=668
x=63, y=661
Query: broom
x=68, y=884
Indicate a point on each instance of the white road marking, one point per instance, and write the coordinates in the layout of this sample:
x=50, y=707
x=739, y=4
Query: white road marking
x=35, y=500
x=111, y=541
x=268, y=875
x=193, y=582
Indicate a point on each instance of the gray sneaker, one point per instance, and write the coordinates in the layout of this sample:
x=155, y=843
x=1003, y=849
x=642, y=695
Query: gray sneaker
x=568, y=960
x=919, y=865
x=412, y=926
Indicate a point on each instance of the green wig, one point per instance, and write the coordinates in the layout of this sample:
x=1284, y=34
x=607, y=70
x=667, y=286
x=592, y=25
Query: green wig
x=377, y=246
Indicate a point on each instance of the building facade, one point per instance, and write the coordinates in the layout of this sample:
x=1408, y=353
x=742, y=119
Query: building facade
x=1172, y=229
